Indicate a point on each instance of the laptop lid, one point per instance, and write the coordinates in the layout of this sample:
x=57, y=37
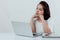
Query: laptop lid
x=21, y=28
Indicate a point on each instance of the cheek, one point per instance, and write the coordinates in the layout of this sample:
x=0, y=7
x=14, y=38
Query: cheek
x=41, y=12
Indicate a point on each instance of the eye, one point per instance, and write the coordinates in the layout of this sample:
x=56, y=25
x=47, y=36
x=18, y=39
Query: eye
x=41, y=9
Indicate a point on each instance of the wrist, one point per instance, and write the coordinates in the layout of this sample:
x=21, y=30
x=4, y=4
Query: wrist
x=43, y=20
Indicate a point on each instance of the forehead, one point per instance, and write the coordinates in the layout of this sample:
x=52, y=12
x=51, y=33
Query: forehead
x=39, y=6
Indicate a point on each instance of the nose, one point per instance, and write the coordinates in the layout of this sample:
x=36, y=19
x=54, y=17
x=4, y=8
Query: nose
x=37, y=11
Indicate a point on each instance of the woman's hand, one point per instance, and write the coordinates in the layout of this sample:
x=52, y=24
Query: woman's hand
x=34, y=16
x=41, y=18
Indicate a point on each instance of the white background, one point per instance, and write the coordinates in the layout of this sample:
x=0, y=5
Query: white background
x=22, y=10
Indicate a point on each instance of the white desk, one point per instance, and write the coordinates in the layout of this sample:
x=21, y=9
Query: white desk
x=12, y=36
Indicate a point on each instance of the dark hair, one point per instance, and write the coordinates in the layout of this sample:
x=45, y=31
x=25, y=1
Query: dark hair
x=46, y=10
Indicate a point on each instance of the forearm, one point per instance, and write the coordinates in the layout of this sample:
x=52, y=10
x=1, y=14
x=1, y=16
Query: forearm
x=33, y=26
x=45, y=27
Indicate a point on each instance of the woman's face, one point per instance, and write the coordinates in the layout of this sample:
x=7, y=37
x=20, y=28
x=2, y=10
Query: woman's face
x=39, y=10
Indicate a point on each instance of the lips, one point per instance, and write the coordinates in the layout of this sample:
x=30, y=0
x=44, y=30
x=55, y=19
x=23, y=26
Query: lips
x=37, y=13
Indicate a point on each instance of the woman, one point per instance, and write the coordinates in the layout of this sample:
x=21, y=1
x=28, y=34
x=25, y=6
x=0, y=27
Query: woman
x=39, y=19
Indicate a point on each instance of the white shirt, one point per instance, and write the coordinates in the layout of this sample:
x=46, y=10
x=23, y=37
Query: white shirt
x=39, y=27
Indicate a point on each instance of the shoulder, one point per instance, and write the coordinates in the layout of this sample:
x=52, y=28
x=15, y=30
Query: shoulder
x=50, y=20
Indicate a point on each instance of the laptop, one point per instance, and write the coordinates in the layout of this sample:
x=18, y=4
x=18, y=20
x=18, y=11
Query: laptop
x=23, y=29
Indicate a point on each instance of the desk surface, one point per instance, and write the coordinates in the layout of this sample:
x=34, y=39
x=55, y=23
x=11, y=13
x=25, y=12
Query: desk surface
x=12, y=36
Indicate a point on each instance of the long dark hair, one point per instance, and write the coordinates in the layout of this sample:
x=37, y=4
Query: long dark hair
x=46, y=10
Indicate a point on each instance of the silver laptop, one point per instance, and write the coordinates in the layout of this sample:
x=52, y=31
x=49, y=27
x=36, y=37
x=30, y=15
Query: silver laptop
x=23, y=29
